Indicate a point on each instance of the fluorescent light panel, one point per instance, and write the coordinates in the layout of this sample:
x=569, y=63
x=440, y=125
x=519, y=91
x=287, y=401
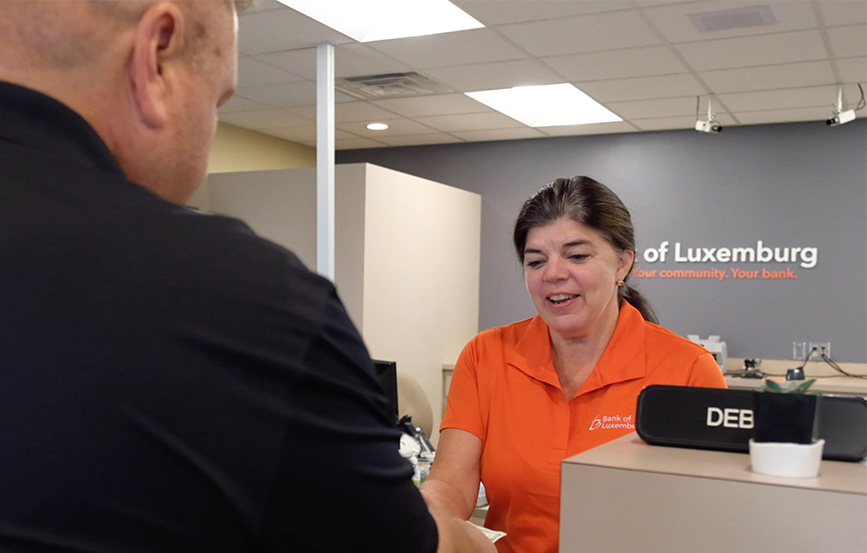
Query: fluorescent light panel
x=546, y=105
x=370, y=20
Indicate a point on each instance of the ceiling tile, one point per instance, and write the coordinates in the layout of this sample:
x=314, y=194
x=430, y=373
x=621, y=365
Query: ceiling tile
x=341, y=116
x=281, y=94
x=643, y=59
x=617, y=64
x=665, y=123
x=464, y=47
x=591, y=33
x=851, y=97
x=350, y=60
x=287, y=94
x=281, y=29
x=843, y=12
x=647, y=3
x=350, y=112
x=819, y=115
x=239, y=103
x=251, y=72
x=769, y=77
x=598, y=128
x=353, y=60
x=848, y=42
x=621, y=90
x=754, y=50
x=303, y=134
x=468, y=122
x=496, y=12
x=780, y=99
x=264, y=5
x=490, y=76
x=423, y=106
x=357, y=144
x=499, y=134
x=419, y=139
x=680, y=122
x=300, y=62
x=668, y=107
x=853, y=70
x=396, y=127
x=674, y=22
x=264, y=119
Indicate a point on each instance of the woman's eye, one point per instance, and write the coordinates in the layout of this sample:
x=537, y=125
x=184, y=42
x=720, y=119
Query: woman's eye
x=579, y=256
x=535, y=264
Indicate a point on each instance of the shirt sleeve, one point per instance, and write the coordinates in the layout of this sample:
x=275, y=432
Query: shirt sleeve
x=705, y=373
x=464, y=404
x=341, y=485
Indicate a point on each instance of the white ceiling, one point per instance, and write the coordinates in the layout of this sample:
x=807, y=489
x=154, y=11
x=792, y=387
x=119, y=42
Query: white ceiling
x=642, y=59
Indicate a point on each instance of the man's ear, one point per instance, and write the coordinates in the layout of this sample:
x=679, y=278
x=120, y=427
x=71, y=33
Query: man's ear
x=157, y=47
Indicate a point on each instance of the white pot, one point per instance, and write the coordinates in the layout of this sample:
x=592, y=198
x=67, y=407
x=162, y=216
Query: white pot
x=785, y=459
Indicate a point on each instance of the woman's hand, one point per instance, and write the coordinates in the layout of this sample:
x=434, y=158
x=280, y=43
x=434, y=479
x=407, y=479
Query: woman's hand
x=458, y=536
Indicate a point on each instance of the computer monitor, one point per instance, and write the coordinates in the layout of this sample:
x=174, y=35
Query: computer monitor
x=386, y=374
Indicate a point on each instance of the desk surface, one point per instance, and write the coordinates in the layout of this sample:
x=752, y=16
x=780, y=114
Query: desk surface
x=631, y=453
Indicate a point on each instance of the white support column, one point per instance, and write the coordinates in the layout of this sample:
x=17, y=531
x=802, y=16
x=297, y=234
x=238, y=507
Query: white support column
x=325, y=160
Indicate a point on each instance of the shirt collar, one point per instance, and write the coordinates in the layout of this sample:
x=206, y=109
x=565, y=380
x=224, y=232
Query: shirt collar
x=34, y=120
x=623, y=358
x=532, y=353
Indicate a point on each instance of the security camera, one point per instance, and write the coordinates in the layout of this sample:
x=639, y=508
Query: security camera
x=841, y=117
x=709, y=126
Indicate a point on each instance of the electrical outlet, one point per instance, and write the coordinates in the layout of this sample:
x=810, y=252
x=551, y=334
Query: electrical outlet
x=816, y=349
x=799, y=351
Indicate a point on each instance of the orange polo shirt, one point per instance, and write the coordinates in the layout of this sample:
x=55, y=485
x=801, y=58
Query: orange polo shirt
x=505, y=391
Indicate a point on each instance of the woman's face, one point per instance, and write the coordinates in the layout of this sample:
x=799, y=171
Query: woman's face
x=571, y=273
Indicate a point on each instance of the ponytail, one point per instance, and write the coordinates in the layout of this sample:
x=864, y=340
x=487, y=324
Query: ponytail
x=638, y=301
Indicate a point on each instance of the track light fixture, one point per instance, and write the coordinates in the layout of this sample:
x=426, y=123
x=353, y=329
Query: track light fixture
x=840, y=117
x=709, y=126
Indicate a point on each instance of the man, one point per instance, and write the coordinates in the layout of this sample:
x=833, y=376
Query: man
x=168, y=381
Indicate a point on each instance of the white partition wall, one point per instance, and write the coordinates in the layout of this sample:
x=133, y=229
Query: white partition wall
x=421, y=274
x=406, y=249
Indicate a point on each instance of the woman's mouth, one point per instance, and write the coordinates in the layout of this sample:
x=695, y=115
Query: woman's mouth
x=561, y=298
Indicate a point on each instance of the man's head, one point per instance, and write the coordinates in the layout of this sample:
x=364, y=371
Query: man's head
x=148, y=75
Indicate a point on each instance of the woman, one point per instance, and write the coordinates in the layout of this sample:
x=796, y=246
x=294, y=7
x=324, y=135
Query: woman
x=527, y=395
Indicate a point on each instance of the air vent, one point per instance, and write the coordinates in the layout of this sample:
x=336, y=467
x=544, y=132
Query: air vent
x=737, y=18
x=390, y=85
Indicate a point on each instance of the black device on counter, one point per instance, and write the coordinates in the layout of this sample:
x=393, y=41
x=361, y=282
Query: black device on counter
x=723, y=419
x=386, y=374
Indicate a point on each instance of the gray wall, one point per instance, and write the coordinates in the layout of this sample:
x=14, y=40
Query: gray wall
x=789, y=185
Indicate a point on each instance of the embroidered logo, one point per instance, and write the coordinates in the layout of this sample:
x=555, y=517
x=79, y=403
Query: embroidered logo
x=612, y=422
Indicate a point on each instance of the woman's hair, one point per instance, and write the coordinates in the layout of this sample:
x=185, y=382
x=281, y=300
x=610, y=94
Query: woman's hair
x=589, y=203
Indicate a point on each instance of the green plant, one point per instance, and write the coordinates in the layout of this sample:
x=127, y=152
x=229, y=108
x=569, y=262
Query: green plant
x=801, y=388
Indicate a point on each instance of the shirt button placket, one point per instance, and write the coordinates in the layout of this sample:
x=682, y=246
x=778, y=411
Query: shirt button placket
x=560, y=430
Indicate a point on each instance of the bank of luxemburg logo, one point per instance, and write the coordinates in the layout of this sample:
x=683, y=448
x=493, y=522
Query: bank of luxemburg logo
x=612, y=422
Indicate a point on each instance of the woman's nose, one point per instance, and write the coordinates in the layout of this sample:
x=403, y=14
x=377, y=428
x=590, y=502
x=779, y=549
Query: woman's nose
x=555, y=270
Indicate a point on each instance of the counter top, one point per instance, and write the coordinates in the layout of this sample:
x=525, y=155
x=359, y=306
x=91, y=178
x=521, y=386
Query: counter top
x=826, y=385
x=631, y=453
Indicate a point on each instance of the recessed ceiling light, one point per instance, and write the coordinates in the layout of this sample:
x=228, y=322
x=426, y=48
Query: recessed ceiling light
x=377, y=126
x=546, y=105
x=386, y=19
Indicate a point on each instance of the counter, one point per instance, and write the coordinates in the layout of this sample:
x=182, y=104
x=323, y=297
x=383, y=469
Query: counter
x=628, y=496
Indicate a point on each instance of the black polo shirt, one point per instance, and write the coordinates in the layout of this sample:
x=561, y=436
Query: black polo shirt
x=169, y=381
